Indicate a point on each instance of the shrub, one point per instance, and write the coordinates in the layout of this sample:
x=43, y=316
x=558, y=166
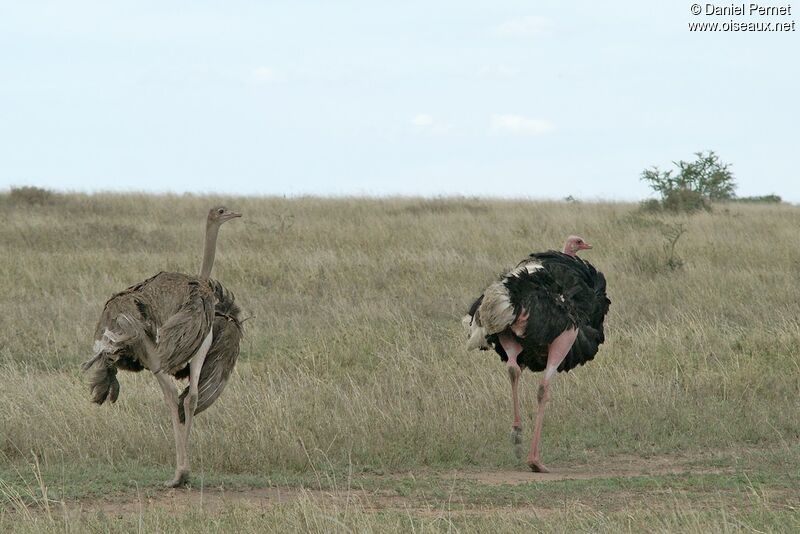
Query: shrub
x=694, y=185
x=651, y=262
x=651, y=205
x=686, y=200
x=30, y=195
x=763, y=199
x=672, y=233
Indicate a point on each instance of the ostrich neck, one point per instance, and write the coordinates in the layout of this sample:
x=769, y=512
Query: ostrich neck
x=209, y=250
x=568, y=251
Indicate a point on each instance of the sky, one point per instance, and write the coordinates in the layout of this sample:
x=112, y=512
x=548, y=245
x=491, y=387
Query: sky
x=516, y=99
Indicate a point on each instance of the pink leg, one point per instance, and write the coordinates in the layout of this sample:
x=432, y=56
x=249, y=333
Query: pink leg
x=513, y=349
x=556, y=353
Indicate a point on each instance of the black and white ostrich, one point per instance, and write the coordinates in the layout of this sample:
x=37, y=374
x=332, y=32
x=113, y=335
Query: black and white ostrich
x=547, y=315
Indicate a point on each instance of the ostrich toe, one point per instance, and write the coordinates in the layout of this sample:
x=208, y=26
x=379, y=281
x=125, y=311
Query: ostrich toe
x=537, y=466
x=180, y=480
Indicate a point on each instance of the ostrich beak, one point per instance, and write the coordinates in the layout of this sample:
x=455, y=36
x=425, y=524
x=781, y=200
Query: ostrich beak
x=586, y=246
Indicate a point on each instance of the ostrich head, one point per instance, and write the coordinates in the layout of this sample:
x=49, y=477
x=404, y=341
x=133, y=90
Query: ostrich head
x=219, y=214
x=574, y=244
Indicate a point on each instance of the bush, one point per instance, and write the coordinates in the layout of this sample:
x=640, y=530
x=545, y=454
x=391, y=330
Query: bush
x=30, y=195
x=694, y=185
x=651, y=262
x=763, y=199
x=651, y=205
x=686, y=200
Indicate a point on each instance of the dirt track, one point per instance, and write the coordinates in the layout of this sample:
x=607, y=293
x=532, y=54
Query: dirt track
x=211, y=499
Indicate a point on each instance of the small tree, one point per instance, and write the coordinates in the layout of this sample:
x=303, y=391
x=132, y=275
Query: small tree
x=695, y=183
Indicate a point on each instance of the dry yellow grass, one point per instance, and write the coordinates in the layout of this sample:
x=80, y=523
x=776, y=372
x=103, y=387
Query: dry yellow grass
x=354, y=357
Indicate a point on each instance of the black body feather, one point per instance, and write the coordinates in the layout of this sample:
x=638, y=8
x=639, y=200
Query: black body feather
x=567, y=292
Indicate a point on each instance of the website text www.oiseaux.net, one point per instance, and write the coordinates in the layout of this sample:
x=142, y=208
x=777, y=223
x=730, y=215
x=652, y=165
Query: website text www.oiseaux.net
x=755, y=13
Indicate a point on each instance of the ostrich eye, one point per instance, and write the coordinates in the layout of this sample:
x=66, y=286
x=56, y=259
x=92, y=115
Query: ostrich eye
x=220, y=211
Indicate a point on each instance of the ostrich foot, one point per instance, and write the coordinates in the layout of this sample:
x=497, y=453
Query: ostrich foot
x=537, y=466
x=181, y=479
x=516, y=441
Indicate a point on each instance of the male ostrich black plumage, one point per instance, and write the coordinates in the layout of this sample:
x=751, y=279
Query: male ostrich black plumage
x=547, y=315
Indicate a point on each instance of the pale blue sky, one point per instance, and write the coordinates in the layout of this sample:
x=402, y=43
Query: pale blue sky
x=499, y=98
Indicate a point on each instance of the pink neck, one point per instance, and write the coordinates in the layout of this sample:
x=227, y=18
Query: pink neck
x=568, y=251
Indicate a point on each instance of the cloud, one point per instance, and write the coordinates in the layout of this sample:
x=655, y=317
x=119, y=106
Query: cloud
x=519, y=125
x=426, y=123
x=422, y=119
x=524, y=27
x=267, y=75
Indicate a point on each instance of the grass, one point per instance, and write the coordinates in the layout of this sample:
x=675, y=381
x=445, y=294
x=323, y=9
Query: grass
x=353, y=367
x=757, y=493
x=439, y=502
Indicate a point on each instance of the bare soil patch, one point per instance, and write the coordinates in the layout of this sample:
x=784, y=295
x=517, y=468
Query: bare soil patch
x=178, y=501
x=618, y=466
x=213, y=499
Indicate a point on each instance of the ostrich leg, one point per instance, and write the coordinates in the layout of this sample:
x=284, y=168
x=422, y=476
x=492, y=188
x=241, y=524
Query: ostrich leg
x=171, y=400
x=512, y=348
x=189, y=405
x=153, y=361
x=556, y=353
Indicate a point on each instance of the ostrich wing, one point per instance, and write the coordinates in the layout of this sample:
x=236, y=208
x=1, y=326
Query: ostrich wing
x=585, y=288
x=222, y=355
x=582, y=284
x=181, y=335
x=218, y=365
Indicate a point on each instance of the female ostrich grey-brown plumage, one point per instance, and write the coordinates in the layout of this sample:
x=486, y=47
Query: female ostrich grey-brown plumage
x=174, y=324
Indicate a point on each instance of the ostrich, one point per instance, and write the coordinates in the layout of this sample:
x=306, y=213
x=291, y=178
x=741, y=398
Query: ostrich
x=547, y=315
x=175, y=324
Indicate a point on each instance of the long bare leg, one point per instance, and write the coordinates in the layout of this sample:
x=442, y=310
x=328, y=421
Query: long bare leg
x=189, y=405
x=170, y=392
x=512, y=348
x=171, y=399
x=556, y=353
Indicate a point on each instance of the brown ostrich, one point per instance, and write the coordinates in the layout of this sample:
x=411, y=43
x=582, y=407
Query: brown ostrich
x=182, y=325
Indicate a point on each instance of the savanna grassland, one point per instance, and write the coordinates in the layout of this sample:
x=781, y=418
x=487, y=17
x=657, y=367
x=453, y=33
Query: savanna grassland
x=355, y=406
